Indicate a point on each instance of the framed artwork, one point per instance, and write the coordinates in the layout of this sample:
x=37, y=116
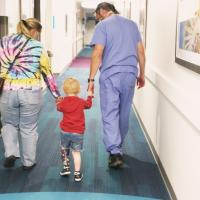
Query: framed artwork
x=187, y=51
x=143, y=19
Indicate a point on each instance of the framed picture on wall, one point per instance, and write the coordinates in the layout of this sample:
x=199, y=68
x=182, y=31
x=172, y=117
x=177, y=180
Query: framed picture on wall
x=187, y=51
x=143, y=19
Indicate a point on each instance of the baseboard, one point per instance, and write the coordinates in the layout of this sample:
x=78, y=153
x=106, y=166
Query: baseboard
x=157, y=159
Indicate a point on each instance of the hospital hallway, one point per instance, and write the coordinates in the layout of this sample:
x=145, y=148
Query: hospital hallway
x=139, y=177
x=161, y=150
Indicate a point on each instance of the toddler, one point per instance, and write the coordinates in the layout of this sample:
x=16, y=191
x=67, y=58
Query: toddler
x=72, y=126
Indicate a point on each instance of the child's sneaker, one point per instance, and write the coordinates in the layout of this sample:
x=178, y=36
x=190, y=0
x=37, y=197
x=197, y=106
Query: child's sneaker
x=66, y=168
x=65, y=171
x=78, y=176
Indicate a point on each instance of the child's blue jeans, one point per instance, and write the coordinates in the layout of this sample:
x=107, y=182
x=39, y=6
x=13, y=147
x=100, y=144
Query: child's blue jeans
x=72, y=141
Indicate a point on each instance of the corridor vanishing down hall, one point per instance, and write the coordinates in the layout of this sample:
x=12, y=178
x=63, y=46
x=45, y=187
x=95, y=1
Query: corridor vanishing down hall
x=163, y=145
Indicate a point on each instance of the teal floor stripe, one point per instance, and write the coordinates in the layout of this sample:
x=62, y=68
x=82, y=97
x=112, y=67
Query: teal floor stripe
x=86, y=53
x=69, y=196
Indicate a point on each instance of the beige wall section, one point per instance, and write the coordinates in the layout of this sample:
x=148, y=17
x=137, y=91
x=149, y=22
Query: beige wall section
x=2, y=7
x=169, y=104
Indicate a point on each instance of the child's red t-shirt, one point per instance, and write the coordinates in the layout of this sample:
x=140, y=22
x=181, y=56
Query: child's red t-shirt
x=72, y=108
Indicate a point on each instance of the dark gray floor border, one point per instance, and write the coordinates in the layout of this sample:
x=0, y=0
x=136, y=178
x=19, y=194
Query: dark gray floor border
x=157, y=159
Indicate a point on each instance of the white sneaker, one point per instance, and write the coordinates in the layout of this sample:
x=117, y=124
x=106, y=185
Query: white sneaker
x=78, y=176
x=65, y=171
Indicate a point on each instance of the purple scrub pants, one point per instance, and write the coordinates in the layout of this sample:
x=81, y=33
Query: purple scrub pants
x=116, y=96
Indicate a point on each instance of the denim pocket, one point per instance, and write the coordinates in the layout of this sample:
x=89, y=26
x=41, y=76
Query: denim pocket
x=34, y=96
x=4, y=96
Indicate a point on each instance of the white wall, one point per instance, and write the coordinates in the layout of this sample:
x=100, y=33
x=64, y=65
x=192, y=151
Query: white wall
x=62, y=41
x=46, y=21
x=78, y=39
x=10, y=8
x=169, y=104
x=120, y=6
x=27, y=9
x=66, y=44
x=12, y=11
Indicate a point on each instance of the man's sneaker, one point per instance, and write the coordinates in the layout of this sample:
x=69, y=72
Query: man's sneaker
x=29, y=167
x=10, y=161
x=78, y=176
x=115, y=161
x=65, y=171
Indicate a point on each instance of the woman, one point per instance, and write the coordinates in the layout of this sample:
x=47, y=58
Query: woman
x=22, y=62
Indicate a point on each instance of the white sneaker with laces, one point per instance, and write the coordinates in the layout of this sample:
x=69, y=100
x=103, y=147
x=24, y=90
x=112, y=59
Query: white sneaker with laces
x=65, y=171
x=78, y=176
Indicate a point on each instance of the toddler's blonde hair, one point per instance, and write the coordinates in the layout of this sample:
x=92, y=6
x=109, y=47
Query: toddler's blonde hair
x=71, y=86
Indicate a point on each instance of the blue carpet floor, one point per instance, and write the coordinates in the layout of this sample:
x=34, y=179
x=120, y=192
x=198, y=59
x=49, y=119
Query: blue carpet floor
x=68, y=196
x=86, y=53
x=139, y=177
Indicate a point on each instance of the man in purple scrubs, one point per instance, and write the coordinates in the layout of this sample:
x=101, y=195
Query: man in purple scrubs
x=118, y=48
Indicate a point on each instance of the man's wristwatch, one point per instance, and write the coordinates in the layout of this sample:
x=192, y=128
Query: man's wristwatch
x=90, y=80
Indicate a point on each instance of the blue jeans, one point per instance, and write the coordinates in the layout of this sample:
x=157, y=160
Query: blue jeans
x=72, y=141
x=20, y=111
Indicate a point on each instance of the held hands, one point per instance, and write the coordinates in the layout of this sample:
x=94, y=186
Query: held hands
x=90, y=93
x=141, y=81
x=59, y=99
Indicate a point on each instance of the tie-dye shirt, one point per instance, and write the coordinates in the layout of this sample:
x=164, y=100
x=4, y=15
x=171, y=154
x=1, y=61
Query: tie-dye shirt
x=29, y=66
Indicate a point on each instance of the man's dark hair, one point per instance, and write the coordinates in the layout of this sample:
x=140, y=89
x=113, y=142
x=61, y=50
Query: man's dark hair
x=106, y=6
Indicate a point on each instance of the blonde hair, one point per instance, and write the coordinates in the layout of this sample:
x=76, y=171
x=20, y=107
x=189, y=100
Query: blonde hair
x=71, y=86
x=25, y=26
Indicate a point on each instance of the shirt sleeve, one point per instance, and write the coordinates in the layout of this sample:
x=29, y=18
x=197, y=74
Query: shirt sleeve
x=88, y=102
x=138, y=34
x=99, y=36
x=48, y=76
x=60, y=106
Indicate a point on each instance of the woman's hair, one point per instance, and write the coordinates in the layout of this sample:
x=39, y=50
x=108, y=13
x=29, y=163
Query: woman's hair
x=25, y=26
x=71, y=86
x=106, y=6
